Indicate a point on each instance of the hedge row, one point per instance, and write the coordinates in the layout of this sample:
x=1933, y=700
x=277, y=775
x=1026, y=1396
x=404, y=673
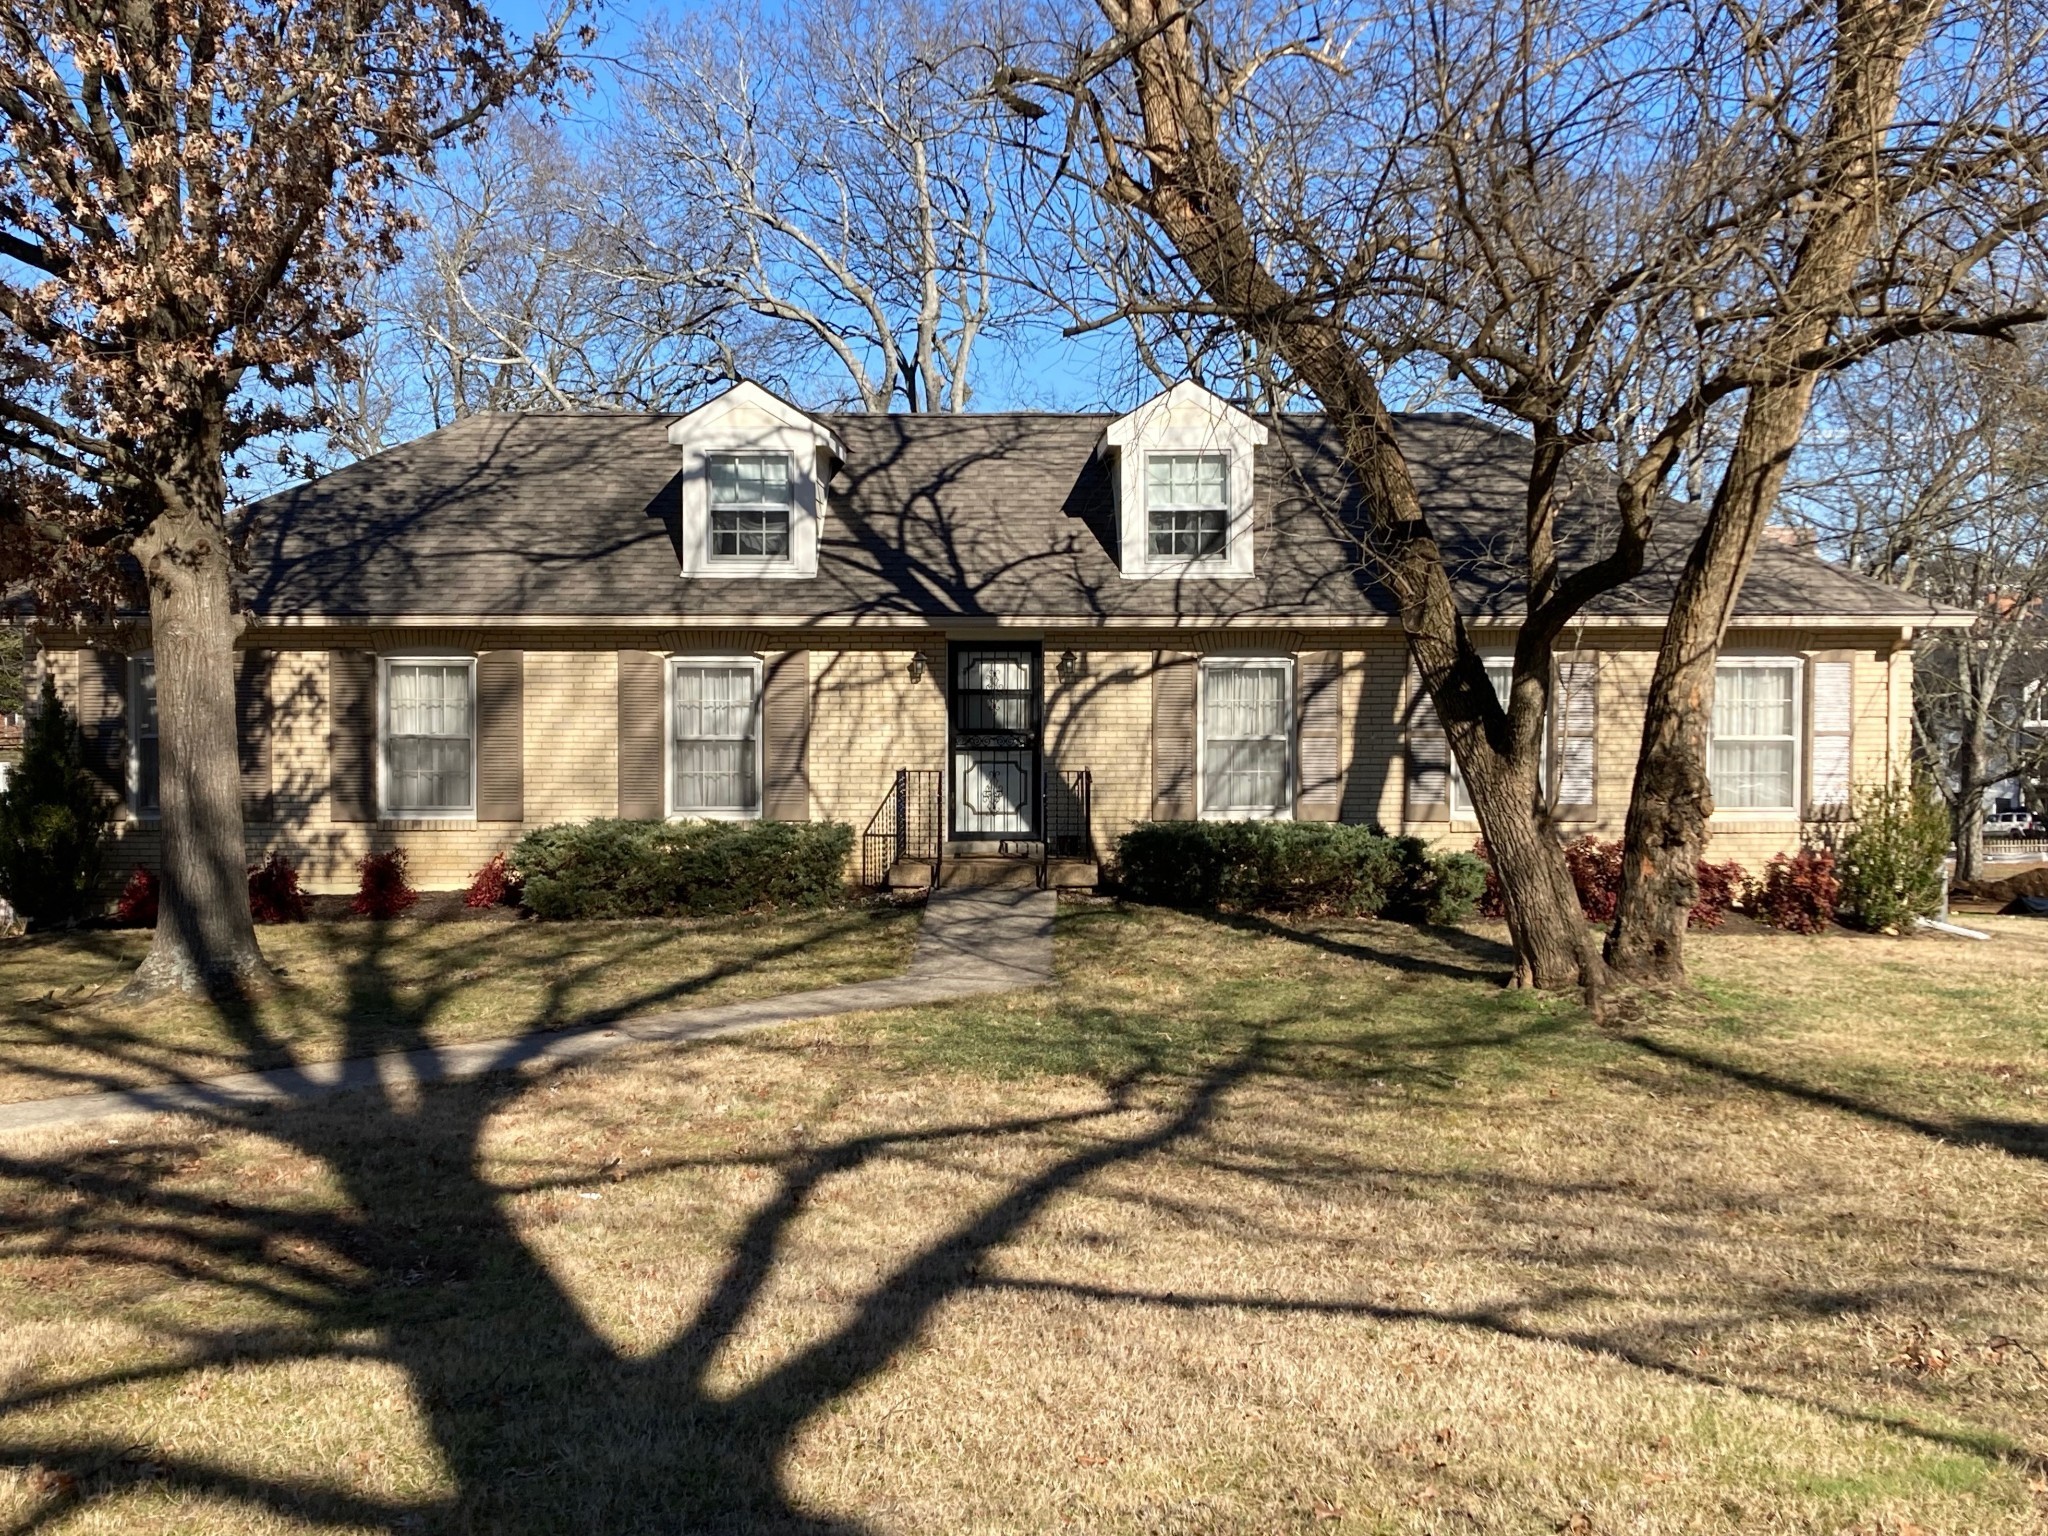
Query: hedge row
x=1320, y=868
x=694, y=869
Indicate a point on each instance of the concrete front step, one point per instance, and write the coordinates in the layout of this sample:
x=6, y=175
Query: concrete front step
x=988, y=872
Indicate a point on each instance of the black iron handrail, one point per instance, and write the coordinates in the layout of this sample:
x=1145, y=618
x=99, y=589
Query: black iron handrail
x=910, y=823
x=1066, y=819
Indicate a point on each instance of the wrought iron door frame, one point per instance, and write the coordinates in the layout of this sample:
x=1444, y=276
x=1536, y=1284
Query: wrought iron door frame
x=1030, y=742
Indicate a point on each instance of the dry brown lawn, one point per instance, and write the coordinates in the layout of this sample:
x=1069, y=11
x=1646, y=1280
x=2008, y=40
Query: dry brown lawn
x=354, y=988
x=1238, y=1228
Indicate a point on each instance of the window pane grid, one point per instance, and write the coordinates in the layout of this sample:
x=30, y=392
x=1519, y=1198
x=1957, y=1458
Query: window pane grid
x=1245, y=738
x=751, y=498
x=427, y=722
x=1752, y=760
x=1187, y=505
x=713, y=710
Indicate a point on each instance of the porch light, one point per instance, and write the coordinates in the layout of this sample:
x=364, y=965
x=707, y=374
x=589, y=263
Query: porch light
x=1069, y=667
x=917, y=666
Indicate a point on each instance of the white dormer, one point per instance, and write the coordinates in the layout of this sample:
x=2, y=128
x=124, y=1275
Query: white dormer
x=1184, y=485
x=754, y=474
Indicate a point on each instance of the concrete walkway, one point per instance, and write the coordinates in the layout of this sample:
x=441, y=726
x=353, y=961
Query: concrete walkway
x=972, y=942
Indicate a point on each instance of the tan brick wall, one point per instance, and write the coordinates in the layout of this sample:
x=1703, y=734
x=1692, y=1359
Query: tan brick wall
x=870, y=717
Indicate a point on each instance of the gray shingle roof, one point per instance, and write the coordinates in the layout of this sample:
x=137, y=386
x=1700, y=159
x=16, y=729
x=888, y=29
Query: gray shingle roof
x=992, y=516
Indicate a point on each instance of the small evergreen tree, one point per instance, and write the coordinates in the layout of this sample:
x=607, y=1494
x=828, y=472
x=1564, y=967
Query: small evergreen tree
x=1891, y=863
x=53, y=821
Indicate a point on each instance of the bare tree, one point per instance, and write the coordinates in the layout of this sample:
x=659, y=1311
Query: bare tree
x=1931, y=473
x=1350, y=189
x=520, y=291
x=188, y=197
x=831, y=171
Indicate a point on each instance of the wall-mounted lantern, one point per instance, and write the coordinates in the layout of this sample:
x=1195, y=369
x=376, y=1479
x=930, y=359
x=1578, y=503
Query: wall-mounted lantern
x=917, y=666
x=1069, y=667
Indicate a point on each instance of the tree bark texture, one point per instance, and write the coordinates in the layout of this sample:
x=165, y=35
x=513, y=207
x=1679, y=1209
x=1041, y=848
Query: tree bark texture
x=1967, y=820
x=1190, y=193
x=1672, y=801
x=205, y=940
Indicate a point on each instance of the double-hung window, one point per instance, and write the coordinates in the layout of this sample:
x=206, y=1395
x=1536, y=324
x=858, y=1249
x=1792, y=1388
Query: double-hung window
x=1187, y=506
x=1754, y=753
x=750, y=506
x=429, y=736
x=144, y=770
x=1246, y=746
x=715, y=738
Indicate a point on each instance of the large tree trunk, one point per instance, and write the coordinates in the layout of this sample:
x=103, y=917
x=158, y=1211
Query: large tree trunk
x=1672, y=801
x=1190, y=194
x=205, y=940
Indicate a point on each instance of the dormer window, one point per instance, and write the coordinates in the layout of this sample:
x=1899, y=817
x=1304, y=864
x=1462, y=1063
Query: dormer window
x=750, y=505
x=752, y=486
x=1187, y=505
x=1184, y=477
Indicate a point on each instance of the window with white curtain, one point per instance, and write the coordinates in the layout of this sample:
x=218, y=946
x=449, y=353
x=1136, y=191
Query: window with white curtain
x=1187, y=505
x=715, y=730
x=1247, y=725
x=750, y=505
x=144, y=771
x=1753, y=757
x=429, y=736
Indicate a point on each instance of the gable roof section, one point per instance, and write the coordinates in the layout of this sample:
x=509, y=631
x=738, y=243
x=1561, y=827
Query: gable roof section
x=1000, y=517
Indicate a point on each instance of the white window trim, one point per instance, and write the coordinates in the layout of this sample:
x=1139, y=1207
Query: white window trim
x=748, y=419
x=1795, y=811
x=134, y=735
x=676, y=662
x=1184, y=419
x=1221, y=559
x=1462, y=808
x=385, y=810
x=1285, y=666
x=788, y=511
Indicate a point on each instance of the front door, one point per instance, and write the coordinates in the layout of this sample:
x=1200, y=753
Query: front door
x=994, y=775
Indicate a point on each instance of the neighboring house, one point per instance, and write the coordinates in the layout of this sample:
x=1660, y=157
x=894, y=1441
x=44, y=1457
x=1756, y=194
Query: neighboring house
x=750, y=611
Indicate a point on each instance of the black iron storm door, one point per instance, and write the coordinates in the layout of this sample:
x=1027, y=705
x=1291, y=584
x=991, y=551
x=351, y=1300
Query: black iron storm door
x=997, y=720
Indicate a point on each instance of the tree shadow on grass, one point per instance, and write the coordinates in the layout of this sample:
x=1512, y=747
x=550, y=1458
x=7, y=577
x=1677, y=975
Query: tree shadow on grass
x=2020, y=1138
x=543, y=1424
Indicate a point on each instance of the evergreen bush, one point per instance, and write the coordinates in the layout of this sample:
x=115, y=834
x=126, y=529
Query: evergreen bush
x=53, y=822
x=612, y=868
x=1891, y=860
x=1313, y=867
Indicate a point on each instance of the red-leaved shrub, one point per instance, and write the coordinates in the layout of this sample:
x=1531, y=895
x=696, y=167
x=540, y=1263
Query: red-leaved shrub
x=1798, y=892
x=1596, y=876
x=384, y=891
x=1720, y=888
x=274, y=894
x=495, y=885
x=136, y=906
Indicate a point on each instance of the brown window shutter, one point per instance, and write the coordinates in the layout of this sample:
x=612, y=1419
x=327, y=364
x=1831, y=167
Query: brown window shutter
x=103, y=718
x=1830, y=734
x=351, y=736
x=501, y=736
x=1576, y=740
x=1319, y=735
x=785, y=736
x=1429, y=756
x=252, y=730
x=1173, y=736
x=642, y=676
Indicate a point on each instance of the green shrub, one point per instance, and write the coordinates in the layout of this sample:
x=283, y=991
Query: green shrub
x=53, y=822
x=685, y=869
x=1891, y=861
x=1315, y=867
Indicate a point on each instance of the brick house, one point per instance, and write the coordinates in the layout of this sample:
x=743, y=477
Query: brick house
x=1038, y=620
